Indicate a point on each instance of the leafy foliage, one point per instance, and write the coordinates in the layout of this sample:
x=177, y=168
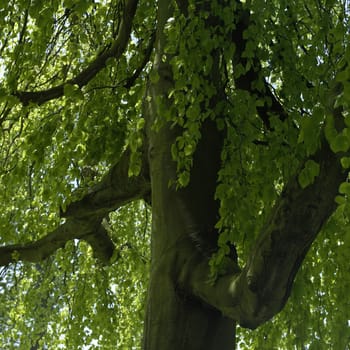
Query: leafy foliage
x=69, y=300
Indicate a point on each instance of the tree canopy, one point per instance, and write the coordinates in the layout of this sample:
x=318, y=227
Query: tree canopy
x=103, y=101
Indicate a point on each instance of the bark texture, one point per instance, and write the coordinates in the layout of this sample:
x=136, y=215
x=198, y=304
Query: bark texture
x=183, y=231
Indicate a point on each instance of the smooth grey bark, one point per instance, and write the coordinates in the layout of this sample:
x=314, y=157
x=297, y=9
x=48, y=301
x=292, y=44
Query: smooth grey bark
x=182, y=219
x=177, y=318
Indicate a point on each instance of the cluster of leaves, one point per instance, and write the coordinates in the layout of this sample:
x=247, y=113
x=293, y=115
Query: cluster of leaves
x=317, y=314
x=299, y=60
x=192, y=44
x=294, y=56
x=70, y=301
x=46, y=147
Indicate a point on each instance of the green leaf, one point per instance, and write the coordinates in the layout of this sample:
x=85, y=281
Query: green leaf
x=73, y=91
x=188, y=150
x=343, y=75
x=330, y=131
x=140, y=124
x=184, y=178
x=340, y=143
x=308, y=173
x=345, y=162
x=82, y=6
x=308, y=135
x=344, y=188
x=340, y=200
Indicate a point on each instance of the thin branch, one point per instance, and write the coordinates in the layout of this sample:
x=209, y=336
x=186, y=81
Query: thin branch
x=128, y=82
x=91, y=231
x=131, y=80
x=116, y=50
x=114, y=190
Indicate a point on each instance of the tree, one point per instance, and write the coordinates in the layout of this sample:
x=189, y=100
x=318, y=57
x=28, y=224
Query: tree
x=227, y=121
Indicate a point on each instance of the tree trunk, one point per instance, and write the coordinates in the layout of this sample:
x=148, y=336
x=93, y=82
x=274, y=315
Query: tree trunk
x=175, y=318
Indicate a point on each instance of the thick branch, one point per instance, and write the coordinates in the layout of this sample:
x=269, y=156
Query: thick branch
x=42, y=248
x=91, y=231
x=115, y=190
x=84, y=217
x=116, y=50
x=260, y=291
x=253, y=78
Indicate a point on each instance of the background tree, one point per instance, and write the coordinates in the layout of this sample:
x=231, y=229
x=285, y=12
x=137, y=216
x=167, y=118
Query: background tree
x=226, y=122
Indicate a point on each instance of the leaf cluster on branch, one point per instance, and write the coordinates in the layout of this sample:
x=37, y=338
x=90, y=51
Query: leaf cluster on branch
x=128, y=90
